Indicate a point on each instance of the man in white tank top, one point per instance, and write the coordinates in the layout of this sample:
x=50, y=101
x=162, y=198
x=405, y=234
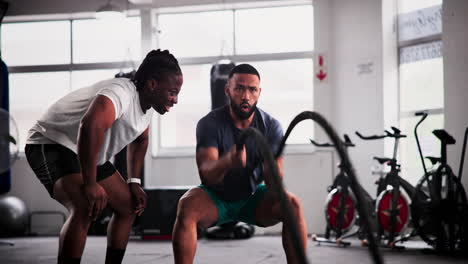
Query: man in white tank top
x=70, y=146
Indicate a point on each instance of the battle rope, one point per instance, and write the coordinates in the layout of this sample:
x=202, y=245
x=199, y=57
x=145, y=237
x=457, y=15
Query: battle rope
x=354, y=184
x=277, y=187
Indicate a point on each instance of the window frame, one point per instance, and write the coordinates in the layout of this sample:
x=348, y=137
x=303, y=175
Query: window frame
x=68, y=67
x=413, y=42
x=155, y=147
x=148, y=18
x=401, y=44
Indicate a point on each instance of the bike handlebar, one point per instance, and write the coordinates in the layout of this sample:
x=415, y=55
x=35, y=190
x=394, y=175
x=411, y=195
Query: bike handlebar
x=315, y=143
x=421, y=113
x=371, y=137
x=347, y=142
x=396, y=134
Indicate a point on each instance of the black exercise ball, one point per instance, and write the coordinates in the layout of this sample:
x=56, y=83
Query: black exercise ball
x=243, y=231
x=14, y=216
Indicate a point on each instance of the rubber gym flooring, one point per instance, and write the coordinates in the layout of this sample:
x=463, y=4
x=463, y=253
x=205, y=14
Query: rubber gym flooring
x=258, y=249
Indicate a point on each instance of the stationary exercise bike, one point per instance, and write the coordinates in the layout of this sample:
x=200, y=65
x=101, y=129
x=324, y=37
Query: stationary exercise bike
x=392, y=205
x=340, y=206
x=441, y=217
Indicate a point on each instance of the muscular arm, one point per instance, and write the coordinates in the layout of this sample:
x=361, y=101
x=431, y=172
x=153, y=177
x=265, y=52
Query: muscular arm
x=212, y=168
x=95, y=122
x=136, y=152
x=98, y=118
x=267, y=175
x=274, y=136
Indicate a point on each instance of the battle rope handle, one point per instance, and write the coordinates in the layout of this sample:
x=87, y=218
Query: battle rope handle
x=277, y=187
x=346, y=162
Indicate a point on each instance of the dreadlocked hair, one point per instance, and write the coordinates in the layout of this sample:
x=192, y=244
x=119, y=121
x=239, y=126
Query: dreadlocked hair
x=156, y=65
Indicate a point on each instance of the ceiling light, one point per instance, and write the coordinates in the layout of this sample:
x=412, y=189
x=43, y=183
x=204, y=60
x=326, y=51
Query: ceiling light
x=109, y=10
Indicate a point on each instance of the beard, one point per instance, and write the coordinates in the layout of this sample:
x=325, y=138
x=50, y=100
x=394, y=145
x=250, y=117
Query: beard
x=242, y=115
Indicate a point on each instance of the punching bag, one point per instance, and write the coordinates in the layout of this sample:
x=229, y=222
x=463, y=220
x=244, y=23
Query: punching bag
x=5, y=177
x=219, y=76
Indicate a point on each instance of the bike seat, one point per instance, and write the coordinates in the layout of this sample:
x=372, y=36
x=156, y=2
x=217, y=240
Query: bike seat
x=433, y=160
x=382, y=160
x=444, y=136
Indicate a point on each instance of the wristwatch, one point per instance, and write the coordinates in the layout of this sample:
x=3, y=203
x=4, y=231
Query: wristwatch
x=134, y=180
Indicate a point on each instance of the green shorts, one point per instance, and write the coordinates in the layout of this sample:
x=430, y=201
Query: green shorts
x=238, y=211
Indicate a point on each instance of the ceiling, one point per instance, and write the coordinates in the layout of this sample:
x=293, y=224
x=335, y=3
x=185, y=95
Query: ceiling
x=41, y=7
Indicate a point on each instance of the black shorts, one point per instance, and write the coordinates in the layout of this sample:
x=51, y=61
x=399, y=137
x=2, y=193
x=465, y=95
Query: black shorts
x=50, y=162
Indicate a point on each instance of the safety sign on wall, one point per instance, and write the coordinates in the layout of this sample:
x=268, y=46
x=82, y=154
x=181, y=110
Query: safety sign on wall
x=321, y=70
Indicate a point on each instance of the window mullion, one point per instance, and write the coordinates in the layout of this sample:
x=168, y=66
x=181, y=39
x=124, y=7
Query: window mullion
x=234, y=52
x=71, y=54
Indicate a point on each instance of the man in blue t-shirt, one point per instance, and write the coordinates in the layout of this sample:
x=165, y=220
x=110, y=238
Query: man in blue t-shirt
x=232, y=188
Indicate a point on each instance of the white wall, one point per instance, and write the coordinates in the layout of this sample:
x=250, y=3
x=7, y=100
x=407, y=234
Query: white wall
x=455, y=51
x=390, y=89
x=356, y=40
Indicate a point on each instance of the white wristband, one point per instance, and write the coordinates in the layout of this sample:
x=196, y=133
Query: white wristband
x=134, y=180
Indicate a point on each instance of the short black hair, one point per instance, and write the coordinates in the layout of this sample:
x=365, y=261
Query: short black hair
x=156, y=65
x=244, y=68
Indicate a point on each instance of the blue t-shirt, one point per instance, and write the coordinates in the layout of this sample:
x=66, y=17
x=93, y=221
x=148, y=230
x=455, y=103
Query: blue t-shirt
x=217, y=129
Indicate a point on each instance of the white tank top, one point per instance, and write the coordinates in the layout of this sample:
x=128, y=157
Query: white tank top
x=61, y=121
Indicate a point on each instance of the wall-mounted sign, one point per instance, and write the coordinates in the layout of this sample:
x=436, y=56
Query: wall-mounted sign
x=321, y=71
x=422, y=23
x=420, y=52
x=365, y=68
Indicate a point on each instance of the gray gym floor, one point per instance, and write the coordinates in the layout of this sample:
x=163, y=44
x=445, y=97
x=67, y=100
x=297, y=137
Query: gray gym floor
x=259, y=249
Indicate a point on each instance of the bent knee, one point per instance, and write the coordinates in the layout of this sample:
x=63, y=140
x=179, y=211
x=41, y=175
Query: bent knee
x=124, y=210
x=186, y=221
x=295, y=203
x=193, y=212
x=186, y=212
x=80, y=216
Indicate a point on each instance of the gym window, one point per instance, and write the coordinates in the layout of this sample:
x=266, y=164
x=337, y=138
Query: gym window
x=420, y=80
x=49, y=58
x=282, y=52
